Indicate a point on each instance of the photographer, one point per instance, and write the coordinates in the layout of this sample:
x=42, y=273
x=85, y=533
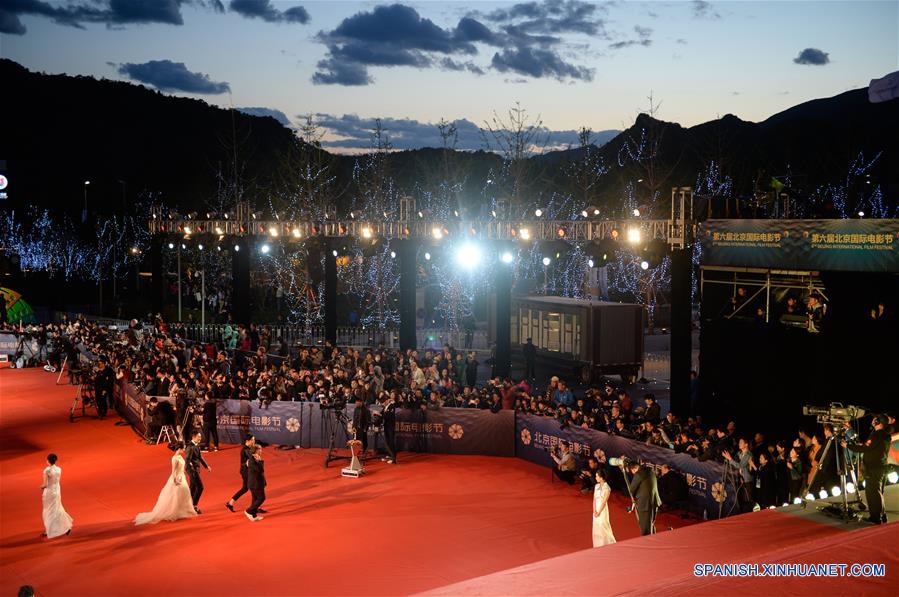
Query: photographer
x=874, y=457
x=566, y=465
x=210, y=425
x=103, y=383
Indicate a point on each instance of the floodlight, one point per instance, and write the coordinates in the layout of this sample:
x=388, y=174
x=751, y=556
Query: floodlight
x=546, y=261
x=633, y=235
x=507, y=257
x=265, y=249
x=644, y=265
x=469, y=256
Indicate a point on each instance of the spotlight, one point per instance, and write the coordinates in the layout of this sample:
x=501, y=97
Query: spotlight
x=633, y=235
x=797, y=500
x=835, y=491
x=437, y=232
x=187, y=230
x=636, y=213
x=546, y=261
x=218, y=230
x=427, y=256
x=366, y=232
x=861, y=214
x=352, y=216
x=273, y=231
x=822, y=494
x=334, y=253
x=595, y=212
x=183, y=246
x=850, y=487
x=265, y=249
x=525, y=234
x=135, y=250
x=237, y=248
x=893, y=477
x=493, y=213
x=561, y=233
x=644, y=265
x=296, y=233
x=538, y=212
x=589, y=263
x=218, y=247
x=584, y=213
x=469, y=256
x=810, y=497
x=200, y=246
x=171, y=245
x=393, y=254
x=507, y=257
x=420, y=215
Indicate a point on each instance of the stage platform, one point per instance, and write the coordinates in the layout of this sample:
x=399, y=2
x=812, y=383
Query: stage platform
x=427, y=522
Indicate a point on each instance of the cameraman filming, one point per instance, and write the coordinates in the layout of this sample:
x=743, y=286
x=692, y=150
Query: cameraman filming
x=103, y=387
x=874, y=457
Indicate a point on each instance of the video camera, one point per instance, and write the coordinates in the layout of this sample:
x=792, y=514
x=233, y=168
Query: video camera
x=336, y=402
x=835, y=413
x=622, y=462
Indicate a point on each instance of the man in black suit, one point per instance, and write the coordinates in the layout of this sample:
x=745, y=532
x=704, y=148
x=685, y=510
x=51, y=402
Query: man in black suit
x=246, y=452
x=103, y=383
x=256, y=483
x=388, y=418
x=874, y=457
x=361, y=422
x=645, y=493
x=193, y=458
x=530, y=357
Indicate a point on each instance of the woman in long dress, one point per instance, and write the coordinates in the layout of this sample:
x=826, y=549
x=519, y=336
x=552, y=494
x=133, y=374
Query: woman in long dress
x=174, y=500
x=56, y=520
x=602, y=528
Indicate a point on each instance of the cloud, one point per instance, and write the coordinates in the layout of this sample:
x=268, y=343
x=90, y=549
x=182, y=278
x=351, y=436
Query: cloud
x=354, y=133
x=263, y=9
x=270, y=112
x=166, y=75
x=812, y=56
x=538, y=63
x=111, y=12
x=644, y=39
x=681, y=41
x=398, y=36
x=704, y=10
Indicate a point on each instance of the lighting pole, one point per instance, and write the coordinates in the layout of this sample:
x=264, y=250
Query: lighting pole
x=179, y=281
x=84, y=213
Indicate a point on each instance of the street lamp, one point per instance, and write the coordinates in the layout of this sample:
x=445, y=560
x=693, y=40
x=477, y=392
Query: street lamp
x=84, y=213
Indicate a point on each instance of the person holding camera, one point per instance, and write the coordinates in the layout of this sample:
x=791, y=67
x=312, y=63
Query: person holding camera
x=566, y=465
x=874, y=457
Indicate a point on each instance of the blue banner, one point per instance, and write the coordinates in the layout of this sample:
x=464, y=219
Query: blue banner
x=456, y=431
x=705, y=480
x=278, y=423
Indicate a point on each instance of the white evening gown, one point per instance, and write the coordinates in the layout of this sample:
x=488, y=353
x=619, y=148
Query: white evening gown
x=174, y=500
x=602, y=528
x=56, y=520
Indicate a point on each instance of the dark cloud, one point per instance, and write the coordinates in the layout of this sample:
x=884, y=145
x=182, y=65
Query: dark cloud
x=812, y=56
x=643, y=34
x=276, y=114
x=704, y=10
x=111, y=12
x=681, y=41
x=263, y=9
x=450, y=64
x=355, y=133
x=552, y=16
x=335, y=72
x=166, y=75
x=537, y=63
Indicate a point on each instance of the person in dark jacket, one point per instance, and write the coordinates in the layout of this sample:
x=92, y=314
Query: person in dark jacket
x=256, y=482
x=645, y=492
x=471, y=370
x=874, y=457
x=246, y=452
x=530, y=357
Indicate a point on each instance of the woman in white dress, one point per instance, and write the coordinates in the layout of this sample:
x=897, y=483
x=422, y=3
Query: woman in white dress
x=602, y=528
x=56, y=520
x=174, y=500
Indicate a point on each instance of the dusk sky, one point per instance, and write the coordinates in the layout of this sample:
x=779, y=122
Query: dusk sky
x=411, y=64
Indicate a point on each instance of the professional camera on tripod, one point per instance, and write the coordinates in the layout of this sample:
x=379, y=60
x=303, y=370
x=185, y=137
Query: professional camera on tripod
x=838, y=417
x=84, y=378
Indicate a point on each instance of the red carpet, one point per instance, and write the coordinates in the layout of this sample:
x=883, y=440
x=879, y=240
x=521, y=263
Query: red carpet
x=663, y=564
x=428, y=522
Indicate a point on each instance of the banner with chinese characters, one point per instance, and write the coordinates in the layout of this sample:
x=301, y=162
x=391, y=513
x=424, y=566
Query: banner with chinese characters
x=456, y=431
x=814, y=245
x=709, y=489
x=278, y=423
x=129, y=403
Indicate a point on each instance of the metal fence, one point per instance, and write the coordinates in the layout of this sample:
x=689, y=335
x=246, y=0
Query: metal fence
x=296, y=335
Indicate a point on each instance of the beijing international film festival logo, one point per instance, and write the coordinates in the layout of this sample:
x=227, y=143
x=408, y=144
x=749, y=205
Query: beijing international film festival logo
x=292, y=424
x=456, y=431
x=526, y=436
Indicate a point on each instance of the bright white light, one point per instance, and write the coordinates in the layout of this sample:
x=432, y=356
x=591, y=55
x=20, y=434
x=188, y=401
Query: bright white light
x=850, y=487
x=784, y=504
x=218, y=230
x=87, y=182
x=538, y=212
x=420, y=215
x=469, y=256
x=171, y=245
x=507, y=257
x=393, y=254
x=797, y=500
x=822, y=494
x=352, y=216
x=187, y=230
x=218, y=247
x=493, y=213
x=893, y=477
x=273, y=231
x=633, y=235
x=427, y=256
x=644, y=265
x=366, y=232
x=334, y=253
x=296, y=233
x=265, y=249
x=595, y=212
x=546, y=260
x=237, y=248
x=183, y=246
x=589, y=263
x=437, y=232
x=861, y=214
x=835, y=491
x=525, y=234
x=636, y=213
x=810, y=497
x=200, y=247
x=584, y=213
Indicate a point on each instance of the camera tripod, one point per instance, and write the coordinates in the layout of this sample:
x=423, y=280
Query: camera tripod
x=84, y=394
x=333, y=420
x=843, y=509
